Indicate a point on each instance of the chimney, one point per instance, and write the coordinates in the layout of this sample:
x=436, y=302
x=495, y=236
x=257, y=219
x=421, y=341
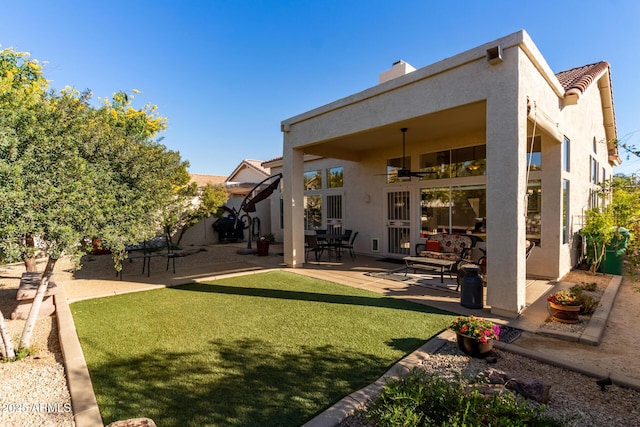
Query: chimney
x=399, y=68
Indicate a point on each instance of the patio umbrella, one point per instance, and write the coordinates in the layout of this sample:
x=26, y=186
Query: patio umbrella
x=250, y=204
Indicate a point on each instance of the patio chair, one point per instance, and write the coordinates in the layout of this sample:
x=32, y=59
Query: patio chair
x=321, y=235
x=530, y=246
x=311, y=245
x=349, y=246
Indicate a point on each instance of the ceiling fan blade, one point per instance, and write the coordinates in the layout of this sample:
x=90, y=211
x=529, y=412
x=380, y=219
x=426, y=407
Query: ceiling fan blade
x=404, y=173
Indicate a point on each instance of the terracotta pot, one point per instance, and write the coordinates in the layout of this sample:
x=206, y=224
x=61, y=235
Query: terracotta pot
x=97, y=248
x=565, y=313
x=472, y=347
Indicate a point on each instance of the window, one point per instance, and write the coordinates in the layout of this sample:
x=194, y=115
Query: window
x=334, y=212
x=313, y=180
x=436, y=165
x=312, y=212
x=334, y=177
x=534, y=211
x=534, y=155
x=316, y=195
x=593, y=171
x=593, y=198
x=566, y=155
x=434, y=210
x=458, y=209
x=565, y=211
x=393, y=165
x=468, y=161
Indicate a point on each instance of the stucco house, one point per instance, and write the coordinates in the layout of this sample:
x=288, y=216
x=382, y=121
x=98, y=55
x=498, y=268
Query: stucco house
x=505, y=149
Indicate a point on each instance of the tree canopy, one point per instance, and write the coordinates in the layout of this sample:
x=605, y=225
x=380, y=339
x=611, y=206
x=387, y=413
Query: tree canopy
x=71, y=171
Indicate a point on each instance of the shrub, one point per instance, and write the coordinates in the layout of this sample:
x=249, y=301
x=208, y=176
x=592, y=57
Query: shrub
x=587, y=302
x=422, y=399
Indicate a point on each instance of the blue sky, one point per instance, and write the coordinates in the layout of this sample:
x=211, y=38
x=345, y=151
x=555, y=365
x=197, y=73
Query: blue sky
x=226, y=73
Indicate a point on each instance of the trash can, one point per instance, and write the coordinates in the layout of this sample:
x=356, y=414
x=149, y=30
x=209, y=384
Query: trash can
x=614, y=252
x=263, y=247
x=471, y=287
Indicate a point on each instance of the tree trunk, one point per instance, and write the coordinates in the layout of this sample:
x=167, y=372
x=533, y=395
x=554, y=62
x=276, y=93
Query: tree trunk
x=29, y=326
x=7, y=347
x=30, y=262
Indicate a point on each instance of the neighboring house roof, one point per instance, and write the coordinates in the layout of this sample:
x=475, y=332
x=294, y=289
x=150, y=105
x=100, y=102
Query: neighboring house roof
x=254, y=165
x=203, y=180
x=277, y=161
x=245, y=177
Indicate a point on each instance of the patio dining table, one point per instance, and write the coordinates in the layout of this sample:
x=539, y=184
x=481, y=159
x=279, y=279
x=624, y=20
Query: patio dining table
x=332, y=241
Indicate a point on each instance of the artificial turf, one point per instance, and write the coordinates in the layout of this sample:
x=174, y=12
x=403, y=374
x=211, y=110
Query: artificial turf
x=269, y=349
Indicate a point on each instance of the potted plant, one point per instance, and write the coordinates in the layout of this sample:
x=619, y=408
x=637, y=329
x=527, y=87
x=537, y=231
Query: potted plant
x=564, y=306
x=475, y=336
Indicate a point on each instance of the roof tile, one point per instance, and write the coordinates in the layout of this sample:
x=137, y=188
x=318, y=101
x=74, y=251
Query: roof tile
x=581, y=77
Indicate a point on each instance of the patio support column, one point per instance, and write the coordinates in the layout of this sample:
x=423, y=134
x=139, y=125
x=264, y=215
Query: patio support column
x=506, y=175
x=293, y=203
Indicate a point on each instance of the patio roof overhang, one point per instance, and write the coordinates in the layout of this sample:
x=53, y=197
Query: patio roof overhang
x=445, y=124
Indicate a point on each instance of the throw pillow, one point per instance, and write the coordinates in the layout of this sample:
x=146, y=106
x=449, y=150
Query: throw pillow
x=433, y=245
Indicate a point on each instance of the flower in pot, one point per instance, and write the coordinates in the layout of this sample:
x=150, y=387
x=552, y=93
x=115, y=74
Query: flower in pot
x=475, y=335
x=564, y=306
x=564, y=297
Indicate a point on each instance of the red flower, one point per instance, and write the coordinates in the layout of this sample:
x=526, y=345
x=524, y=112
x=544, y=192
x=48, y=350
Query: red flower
x=481, y=329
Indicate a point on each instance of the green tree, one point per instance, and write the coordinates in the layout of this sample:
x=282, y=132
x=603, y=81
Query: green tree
x=622, y=194
x=625, y=194
x=190, y=205
x=70, y=172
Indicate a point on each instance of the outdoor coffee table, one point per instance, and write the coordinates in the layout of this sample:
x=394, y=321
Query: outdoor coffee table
x=429, y=264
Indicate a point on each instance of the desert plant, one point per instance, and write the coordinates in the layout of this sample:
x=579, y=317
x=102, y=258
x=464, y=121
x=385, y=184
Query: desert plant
x=589, y=286
x=587, y=302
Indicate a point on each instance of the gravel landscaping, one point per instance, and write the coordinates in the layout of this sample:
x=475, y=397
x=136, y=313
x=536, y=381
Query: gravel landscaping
x=33, y=390
x=575, y=398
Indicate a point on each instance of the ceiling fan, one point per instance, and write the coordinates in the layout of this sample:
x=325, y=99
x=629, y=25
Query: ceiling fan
x=403, y=172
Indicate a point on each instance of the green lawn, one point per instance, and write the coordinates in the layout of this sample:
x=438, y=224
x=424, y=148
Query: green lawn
x=258, y=350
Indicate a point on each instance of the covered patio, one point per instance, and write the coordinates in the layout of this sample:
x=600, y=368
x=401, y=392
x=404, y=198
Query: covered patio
x=468, y=102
